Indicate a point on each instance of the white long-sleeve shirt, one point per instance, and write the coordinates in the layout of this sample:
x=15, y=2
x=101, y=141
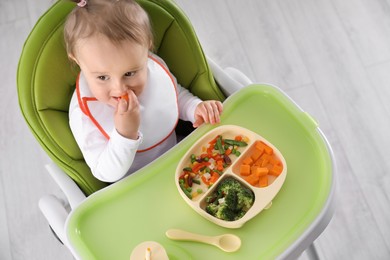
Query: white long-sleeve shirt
x=112, y=156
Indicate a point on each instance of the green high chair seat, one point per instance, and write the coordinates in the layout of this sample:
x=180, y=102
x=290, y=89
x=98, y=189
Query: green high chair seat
x=46, y=79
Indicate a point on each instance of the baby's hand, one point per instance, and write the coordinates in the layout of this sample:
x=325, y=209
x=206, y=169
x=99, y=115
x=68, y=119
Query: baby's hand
x=208, y=112
x=127, y=116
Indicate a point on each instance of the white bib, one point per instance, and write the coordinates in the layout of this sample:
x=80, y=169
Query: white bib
x=158, y=106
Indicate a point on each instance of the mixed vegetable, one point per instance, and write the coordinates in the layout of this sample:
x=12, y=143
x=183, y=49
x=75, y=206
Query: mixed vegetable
x=230, y=200
x=205, y=169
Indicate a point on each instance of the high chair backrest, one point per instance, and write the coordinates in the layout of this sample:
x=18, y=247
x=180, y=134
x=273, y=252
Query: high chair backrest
x=46, y=80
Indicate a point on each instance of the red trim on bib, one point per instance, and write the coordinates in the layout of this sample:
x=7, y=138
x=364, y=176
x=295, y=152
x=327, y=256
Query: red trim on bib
x=83, y=103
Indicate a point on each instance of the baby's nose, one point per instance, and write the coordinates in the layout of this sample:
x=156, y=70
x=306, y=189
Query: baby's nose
x=120, y=86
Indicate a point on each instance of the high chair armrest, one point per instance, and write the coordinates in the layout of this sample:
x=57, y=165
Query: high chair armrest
x=238, y=75
x=72, y=192
x=230, y=79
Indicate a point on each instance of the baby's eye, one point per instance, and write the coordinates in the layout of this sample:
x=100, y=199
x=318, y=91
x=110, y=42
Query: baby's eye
x=130, y=73
x=103, y=78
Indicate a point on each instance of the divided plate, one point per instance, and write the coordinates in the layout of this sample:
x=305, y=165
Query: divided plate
x=263, y=195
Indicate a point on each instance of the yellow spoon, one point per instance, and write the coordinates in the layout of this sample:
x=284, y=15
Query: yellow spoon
x=226, y=242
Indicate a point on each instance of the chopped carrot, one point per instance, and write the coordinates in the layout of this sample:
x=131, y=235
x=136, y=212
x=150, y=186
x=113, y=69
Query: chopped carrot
x=260, y=145
x=263, y=181
x=210, y=150
x=212, y=142
x=266, y=157
x=275, y=161
x=254, y=168
x=260, y=164
x=204, y=155
x=252, y=179
x=199, y=166
x=248, y=161
x=228, y=151
x=259, y=171
x=268, y=150
x=245, y=169
x=220, y=165
x=276, y=170
x=214, y=178
x=264, y=163
x=205, y=181
x=269, y=166
x=238, y=138
x=125, y=97
x=256, y=154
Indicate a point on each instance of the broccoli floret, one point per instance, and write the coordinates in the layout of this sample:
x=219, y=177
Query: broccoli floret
x=231, y=199
x=225, y=213
x=211, y=198
x=212, y=209
x=228, y=184
x=245, y=199
x=240, y=215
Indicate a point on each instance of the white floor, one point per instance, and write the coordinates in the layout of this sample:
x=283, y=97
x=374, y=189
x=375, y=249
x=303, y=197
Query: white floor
x=331, y=56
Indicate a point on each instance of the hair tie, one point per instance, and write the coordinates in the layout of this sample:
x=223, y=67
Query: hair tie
x=82, y=3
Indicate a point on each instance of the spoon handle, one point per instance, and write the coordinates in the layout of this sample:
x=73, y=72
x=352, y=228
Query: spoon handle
x=177, y=234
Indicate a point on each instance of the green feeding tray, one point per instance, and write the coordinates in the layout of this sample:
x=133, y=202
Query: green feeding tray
x=110, y=223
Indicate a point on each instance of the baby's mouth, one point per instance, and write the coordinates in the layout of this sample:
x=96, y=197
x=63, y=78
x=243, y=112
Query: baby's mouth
x=124, y=96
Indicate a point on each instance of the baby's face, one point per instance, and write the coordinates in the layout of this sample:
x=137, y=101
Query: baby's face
x=112, y=70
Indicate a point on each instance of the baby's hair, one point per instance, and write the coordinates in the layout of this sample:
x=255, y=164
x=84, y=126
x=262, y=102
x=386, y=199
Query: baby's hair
x=118, y=20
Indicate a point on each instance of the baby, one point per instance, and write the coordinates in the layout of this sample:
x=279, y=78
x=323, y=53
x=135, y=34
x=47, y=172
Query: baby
x=126, y=105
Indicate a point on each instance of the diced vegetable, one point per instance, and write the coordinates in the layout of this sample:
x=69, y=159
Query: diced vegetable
x=256, y=154
x=259, y=171
x=245, y=170
x=125, y=97
x=219, y=145
x=268, y=150
x=260, y=164
x=248, y=161
x=199, y=166
x=206, y=168
x=237, y=143
x=188, y=194
x=263, y=181
x=276, y=170
x=252, y=179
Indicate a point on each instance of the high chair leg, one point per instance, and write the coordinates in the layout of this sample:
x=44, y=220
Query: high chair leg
x=311, y=252
x=54, y=209
x=72, y=192
x=55, y=213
